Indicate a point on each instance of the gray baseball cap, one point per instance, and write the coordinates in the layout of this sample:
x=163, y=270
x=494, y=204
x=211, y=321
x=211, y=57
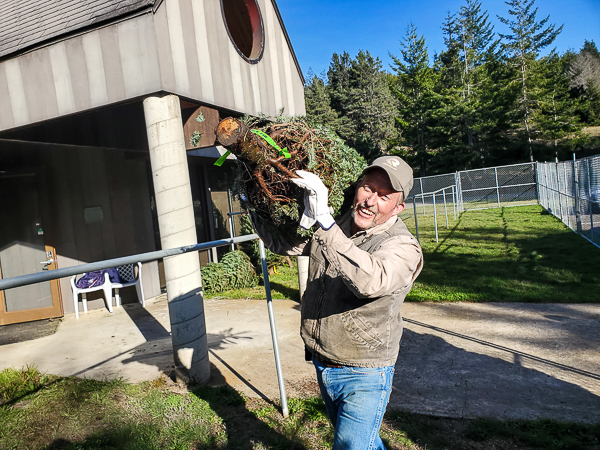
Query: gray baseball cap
x=400, y=173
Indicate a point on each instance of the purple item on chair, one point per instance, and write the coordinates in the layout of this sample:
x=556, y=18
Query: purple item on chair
x=96, y=278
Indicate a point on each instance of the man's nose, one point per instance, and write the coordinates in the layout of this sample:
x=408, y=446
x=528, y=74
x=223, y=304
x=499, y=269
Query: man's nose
x=372, y=199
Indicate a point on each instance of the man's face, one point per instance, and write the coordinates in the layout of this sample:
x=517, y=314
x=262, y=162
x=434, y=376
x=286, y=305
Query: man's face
x=375, y=201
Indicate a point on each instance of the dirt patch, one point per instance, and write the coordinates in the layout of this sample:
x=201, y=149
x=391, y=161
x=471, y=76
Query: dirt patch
x=20, y=332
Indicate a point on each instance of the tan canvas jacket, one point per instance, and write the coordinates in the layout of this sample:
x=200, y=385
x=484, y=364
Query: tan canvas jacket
x=355, y=289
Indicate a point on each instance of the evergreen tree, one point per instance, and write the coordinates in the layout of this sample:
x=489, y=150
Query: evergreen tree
x=556, y=112
x=469, y=39
x=414, y=89
x=318, y=104
x=370, y=106
x=528, y=37
x=584, y=75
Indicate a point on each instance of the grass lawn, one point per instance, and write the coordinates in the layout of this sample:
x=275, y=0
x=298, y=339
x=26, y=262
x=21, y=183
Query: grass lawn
x=511, y=254
x=517, y=254
x=40, y=411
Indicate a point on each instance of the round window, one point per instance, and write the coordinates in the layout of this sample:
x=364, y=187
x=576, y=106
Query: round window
x=244, y=24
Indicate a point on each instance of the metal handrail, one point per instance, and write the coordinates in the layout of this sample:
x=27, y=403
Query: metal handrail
x=33, y=278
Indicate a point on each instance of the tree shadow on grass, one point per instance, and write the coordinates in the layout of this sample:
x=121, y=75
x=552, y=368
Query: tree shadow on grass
x=292, y=294
x=243, y=429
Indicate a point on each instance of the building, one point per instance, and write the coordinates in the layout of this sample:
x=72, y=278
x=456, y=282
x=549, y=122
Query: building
x=75, y=183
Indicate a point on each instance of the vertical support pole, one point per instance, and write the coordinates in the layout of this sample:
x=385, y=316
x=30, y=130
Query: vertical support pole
x=445, y=207
x=589, y=193
x=454, y=201
x=497, y=186
x=422, y=196
x=211, y=219
x=576, y=194
x=558, y=190
x=171, y=180
x=263, y=258
x=230, y=218
x=416, y=221
x=302, y=274
x=435, y=218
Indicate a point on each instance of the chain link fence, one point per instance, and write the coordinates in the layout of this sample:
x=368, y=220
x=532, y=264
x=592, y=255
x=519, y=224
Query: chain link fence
x=570, y=190
x=491, y=187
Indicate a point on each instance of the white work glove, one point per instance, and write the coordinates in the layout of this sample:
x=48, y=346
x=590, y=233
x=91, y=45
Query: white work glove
x=315, y=201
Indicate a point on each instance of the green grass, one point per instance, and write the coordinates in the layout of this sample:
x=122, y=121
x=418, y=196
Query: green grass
x=516, y=254
x=77, y=414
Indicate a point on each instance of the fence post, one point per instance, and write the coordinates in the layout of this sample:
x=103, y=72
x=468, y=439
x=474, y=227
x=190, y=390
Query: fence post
x=435, y=218
x=454, y=201
x=497, y=186
x=416, y=221
x=422, y=196
x=589, y=185
x=558, y=190
x=445, y=207
x=576, y=192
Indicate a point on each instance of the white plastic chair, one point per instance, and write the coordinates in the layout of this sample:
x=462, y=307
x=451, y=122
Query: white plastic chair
x=128, y=278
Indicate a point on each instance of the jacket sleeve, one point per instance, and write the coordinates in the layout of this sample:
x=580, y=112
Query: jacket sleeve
x=394, y=266
x=275, y=243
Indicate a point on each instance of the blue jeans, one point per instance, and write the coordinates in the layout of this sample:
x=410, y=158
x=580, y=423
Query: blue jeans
x=355, y=398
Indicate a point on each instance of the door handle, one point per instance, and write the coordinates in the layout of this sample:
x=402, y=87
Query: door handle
x=48, y=262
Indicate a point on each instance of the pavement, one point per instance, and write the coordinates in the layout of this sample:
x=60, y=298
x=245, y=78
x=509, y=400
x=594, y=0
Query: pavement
x=464, y=360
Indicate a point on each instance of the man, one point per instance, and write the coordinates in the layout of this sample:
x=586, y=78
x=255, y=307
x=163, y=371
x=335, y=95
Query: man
x=361, y=268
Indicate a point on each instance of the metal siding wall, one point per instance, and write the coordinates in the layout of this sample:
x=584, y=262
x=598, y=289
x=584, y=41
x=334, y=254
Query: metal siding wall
x=203, y=54
x=139, y=61
x=38, y=83
x=184, y=48
x=79, y=74
x=191, y=54
x=6, y=117
x=271, y=55
x=92, y=51
x=62, y=79
x=113, y=71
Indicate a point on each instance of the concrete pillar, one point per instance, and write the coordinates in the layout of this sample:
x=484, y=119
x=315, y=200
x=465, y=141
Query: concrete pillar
x=302, y=273
x=173, y=195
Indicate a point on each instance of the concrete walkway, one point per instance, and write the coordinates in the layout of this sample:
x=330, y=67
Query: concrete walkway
x=458, y=360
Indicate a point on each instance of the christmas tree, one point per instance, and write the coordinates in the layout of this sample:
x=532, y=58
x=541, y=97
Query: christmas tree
x=270, y=151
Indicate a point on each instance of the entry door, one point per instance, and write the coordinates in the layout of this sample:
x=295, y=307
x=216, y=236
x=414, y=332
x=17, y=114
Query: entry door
x=23, y=250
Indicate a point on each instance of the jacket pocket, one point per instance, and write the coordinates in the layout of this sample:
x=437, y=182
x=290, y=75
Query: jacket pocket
x=361, y=331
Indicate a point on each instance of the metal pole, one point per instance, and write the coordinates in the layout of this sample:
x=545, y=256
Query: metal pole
x=454, y=201
x=590, y=207
x=416, y=221
x=230, y=219
x=422, y=196
x=576, y=192
x=39, y=277
x=284, y=406
x=445, y=207
x=435, y=218
x=559, y=196
x=497, y=186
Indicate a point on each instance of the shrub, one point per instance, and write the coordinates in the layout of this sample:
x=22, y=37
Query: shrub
x=234, y=271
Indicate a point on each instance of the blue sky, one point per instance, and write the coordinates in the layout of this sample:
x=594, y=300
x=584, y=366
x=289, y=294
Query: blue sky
x=319, y=28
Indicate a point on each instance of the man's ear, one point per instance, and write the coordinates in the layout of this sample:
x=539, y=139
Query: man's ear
x=399, y=208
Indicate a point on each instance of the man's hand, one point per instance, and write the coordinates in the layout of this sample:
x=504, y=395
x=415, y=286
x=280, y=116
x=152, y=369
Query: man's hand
x=315, y=201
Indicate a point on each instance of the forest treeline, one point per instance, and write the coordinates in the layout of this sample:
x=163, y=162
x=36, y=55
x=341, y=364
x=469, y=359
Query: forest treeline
x=487, y=99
